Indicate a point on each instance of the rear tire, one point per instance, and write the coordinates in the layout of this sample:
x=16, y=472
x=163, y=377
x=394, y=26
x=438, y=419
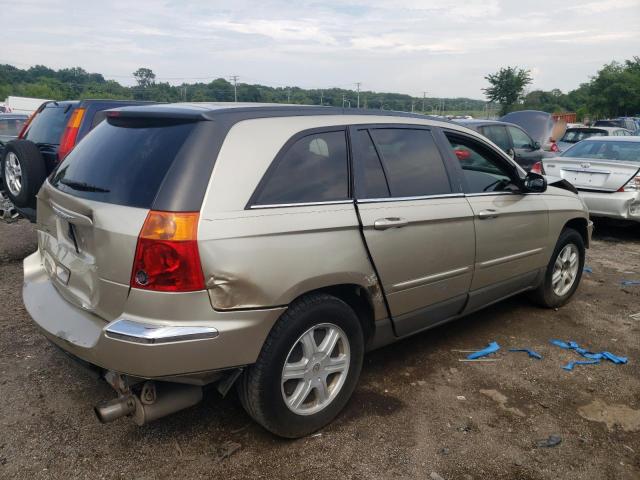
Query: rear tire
x=564, y=271
x=23, y=172
x=270, y=398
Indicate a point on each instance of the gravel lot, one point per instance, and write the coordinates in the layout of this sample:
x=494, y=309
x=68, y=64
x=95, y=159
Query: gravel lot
x=418, y=412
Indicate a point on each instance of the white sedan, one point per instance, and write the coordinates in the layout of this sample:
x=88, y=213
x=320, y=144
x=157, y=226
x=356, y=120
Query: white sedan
x=606, y=172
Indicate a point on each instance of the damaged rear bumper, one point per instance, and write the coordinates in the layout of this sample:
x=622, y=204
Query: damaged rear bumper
x=620, y=205
x=185, y=340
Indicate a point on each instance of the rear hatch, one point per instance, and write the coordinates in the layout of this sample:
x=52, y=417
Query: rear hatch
x=93, y=206
x=601, y=165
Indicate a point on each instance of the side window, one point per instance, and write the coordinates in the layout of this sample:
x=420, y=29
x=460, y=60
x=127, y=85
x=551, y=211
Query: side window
x=520, y=139
x=411, y=161
x=483, y=170
x=313, y=169
x=498, y=135
x=369, y=175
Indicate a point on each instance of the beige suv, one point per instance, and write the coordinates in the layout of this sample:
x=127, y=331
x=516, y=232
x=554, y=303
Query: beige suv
x=271, y=246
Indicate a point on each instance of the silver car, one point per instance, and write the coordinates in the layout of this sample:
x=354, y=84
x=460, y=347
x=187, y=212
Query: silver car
x=271, y=246
x=606, y=171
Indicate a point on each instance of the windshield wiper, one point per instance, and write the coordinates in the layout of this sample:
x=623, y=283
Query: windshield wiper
x=83, y=186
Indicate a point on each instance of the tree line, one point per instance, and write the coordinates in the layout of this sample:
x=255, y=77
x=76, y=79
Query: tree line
x=612, y=91
x=75, y=83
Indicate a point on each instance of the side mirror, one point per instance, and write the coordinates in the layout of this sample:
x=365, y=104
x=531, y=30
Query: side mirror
x=536, y=145
x=534, y=183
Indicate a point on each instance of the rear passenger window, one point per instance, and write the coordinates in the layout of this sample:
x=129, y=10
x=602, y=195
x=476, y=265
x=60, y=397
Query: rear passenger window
x=411, y=161
x=313, y=169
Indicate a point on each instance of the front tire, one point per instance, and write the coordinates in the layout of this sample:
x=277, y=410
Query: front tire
x=307, y=369
x=564, y=271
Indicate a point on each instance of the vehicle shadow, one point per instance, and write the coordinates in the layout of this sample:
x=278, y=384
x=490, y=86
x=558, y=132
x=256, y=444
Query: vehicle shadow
x=608, y=230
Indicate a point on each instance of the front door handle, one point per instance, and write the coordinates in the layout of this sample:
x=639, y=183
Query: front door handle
x=390, y=222
x=489, y=213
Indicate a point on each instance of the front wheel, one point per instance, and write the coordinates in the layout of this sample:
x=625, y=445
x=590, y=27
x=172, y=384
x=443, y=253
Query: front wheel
x=307, y=369
x=564, y=271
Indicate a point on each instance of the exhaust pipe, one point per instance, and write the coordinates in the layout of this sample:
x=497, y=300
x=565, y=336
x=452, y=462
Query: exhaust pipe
x=167, y=398
x=116, y=408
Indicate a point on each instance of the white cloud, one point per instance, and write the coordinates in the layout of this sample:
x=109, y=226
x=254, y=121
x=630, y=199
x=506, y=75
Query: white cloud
x=444, y=46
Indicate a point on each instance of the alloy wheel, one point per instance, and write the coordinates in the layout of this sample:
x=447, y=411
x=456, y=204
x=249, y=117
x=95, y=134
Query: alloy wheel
x=315, y=369
x=565, y=270
x=13, y=174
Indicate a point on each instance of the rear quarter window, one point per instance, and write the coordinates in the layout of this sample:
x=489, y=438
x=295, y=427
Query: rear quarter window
x=312, y=169
x=122, y=162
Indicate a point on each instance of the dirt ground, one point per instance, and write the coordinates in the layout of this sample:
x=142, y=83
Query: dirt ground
x=417, y=413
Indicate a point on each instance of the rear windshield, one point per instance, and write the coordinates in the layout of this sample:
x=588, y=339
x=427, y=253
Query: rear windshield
x=574, y=135
x=122, y=163
x=602, y=150
x=48, y=125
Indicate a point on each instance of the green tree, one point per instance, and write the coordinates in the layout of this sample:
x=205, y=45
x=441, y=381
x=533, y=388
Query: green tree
x=507, y=86
x=145, y=77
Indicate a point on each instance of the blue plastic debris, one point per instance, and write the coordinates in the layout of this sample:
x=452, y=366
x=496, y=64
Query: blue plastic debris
x=630, y=283
x=491, y=348
x=570, y=345
x=569, y=366
x=587, y=270
x=532, y=353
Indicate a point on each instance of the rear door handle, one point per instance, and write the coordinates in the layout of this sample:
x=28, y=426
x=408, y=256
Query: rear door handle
x=390, y=222
x=489, y=213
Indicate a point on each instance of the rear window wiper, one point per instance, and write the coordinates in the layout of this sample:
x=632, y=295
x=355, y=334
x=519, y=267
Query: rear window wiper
x=83, y=186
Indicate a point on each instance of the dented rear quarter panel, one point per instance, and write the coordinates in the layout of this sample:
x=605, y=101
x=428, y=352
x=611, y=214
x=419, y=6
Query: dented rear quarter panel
x=257, y=258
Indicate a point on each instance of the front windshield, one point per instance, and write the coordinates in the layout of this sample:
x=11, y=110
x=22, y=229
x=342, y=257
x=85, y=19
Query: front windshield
x=579, y=134
x=605, y=150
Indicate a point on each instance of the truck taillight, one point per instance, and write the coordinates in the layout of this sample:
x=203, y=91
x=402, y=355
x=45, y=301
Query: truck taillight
x=167, y=257
x=554, y=147
x=632, y=185
x=538, y=168
x=70, y=134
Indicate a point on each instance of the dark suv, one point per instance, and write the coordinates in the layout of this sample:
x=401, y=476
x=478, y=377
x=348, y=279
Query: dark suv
x=510, y=138
x=51, y=133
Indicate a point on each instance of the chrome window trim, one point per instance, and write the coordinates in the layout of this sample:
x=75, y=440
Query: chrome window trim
x=487, y=194
x=138, y=332
x=408, y=199
x=302, y=204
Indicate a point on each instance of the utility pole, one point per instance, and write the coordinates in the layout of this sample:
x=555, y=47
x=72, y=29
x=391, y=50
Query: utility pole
x=321, y=96
x=412, y=105
x=343, y=99
x=288, y=95
x=358, y=90
x=235, y=87
x=424, y=97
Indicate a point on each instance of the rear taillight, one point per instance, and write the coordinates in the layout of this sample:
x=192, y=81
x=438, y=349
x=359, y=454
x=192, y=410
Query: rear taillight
x=167, y=257
x=554, y=147
x=632, y=185
x=538, y=168
x=25, y=127
x=70, y=134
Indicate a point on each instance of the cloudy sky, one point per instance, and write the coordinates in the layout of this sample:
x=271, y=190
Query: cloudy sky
x=442, y=46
